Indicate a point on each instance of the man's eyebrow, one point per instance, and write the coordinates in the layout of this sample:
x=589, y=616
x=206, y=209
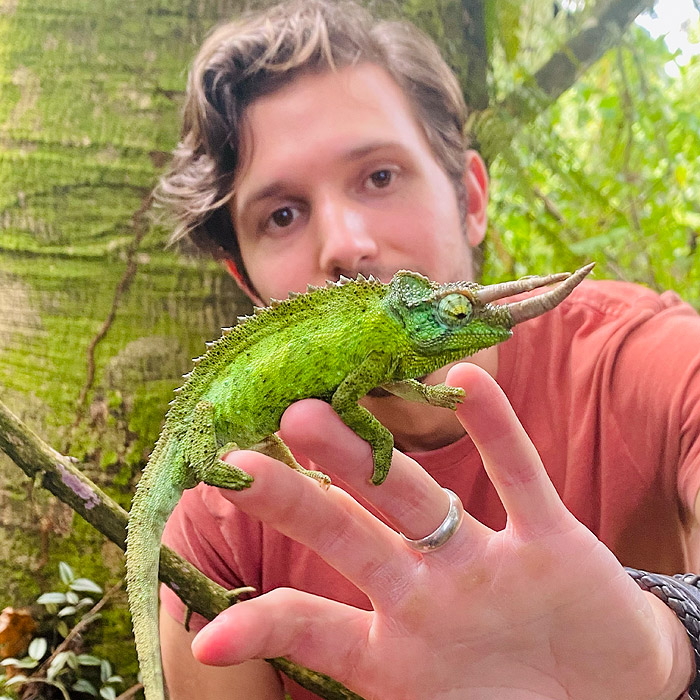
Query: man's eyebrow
x=273, y=189
x=367, y=149
x=280, y=188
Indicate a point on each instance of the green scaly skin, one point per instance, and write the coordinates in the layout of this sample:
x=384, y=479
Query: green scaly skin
x=335, y=343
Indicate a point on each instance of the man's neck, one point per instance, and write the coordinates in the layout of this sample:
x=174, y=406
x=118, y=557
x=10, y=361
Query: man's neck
x=418, y=427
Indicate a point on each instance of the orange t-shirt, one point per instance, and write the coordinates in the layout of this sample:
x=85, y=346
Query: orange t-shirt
x=607, y=386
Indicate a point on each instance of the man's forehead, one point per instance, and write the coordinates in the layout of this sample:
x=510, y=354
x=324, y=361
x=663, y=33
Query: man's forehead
x=341, y=115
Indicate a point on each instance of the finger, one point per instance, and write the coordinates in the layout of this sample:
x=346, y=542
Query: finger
x=309, y=630
x=328, y=521
x=509, y=457
x=410, y=500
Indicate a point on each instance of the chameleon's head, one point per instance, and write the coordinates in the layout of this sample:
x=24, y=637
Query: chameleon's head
x=449, y=321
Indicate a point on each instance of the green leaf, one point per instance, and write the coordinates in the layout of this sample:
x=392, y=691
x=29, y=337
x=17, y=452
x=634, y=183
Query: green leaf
x=68, y=610
x=26, y=662
x=72, y=598
x=9, y=662
x=58, y=663
x=15, y=680
x=84, y=686
x=53, y=598
x=108, y=693
x=66, y=573
x=62, y=628
x=89, y=660
x=115, y=679
x=508, y=18
x=85, y=585
x=37, y=648
x=105, y=670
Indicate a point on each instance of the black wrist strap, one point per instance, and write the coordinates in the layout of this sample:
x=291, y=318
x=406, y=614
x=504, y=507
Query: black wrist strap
x=682, y=594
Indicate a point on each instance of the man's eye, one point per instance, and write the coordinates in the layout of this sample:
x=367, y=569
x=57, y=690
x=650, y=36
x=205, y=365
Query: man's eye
x=282, y=217
x=381, y=178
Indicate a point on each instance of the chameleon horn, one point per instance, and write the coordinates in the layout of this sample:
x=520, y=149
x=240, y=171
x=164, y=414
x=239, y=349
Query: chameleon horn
x=530, y=308
x=524, y=284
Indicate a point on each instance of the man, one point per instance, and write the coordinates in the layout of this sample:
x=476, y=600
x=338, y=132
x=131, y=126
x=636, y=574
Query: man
x=317, y=143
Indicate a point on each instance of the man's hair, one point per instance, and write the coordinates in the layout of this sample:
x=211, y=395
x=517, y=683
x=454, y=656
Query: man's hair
x=257, y=55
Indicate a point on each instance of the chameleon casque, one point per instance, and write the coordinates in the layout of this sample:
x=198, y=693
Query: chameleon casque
x=334, y=343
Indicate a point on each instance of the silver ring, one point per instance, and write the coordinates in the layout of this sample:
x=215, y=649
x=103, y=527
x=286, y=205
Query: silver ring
x=445, y=529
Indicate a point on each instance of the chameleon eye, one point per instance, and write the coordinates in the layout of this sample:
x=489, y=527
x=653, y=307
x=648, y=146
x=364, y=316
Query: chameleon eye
x=454, y=310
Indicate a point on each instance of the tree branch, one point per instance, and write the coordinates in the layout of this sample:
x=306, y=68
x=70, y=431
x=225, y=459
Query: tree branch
x=494, y=129
x=59, y=475
x=474, y=29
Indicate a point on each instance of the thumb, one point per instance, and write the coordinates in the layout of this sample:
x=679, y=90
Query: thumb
x=286, y=622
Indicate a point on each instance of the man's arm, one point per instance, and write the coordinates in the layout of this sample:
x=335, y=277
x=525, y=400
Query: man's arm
x=186, y=678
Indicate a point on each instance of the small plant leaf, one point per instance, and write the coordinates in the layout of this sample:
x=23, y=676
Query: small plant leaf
x=84, y=686
x=38, y=648
x=66, y=573
x=52, y=598
x=15, y=679
x=105, y=670
x=108, y=693
x=72, y=597
x=89, y=660
x=62, y=628
x=68, y=610
x=85, y=585
x=57, y=664
x=26, y=662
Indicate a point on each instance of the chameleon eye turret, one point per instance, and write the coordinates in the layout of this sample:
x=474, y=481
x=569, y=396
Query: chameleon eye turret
x=454, y=310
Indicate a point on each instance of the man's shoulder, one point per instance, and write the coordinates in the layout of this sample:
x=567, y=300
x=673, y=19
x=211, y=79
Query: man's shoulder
x=614, y=298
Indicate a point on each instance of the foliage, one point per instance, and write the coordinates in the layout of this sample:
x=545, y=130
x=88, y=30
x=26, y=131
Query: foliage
x=606, y=174
x=51, y=658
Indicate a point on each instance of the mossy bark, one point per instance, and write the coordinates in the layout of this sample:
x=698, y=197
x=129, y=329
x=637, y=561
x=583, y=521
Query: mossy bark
x=98, y=319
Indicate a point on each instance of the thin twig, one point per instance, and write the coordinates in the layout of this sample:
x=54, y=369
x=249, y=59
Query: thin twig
x=130, y=692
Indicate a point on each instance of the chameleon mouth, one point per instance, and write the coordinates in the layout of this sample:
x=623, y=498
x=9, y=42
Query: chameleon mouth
x=534, y=306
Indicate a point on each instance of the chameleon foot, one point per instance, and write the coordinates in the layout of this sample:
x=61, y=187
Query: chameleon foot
x=439, y=395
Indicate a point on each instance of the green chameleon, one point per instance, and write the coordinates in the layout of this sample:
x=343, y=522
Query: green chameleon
x=335, y=343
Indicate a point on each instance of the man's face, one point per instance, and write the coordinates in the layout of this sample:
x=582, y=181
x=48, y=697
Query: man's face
x=337, y=178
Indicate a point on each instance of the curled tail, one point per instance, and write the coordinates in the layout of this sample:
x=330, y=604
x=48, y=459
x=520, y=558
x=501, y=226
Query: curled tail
x=156, y=496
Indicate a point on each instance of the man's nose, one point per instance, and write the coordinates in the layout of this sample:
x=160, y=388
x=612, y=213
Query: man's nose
x=346, y=241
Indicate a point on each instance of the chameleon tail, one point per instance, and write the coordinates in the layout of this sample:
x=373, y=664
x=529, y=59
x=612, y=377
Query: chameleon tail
x=156, y=496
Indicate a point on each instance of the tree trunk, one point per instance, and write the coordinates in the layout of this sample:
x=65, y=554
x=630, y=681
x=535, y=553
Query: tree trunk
x=97, y=320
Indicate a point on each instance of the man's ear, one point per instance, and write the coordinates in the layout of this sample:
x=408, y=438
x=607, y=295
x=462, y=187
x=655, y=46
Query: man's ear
x=476, y=185
x=233, y=270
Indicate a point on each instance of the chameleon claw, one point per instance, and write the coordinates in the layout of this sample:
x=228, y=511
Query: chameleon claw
x=235, y=593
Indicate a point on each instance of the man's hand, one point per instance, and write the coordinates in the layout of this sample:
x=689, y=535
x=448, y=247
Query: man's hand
x=539, y=610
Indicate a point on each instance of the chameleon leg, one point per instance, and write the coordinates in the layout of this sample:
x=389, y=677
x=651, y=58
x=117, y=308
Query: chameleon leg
x=438, y=395
x=203, y=452
x=344, y=401
x=273, y=446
